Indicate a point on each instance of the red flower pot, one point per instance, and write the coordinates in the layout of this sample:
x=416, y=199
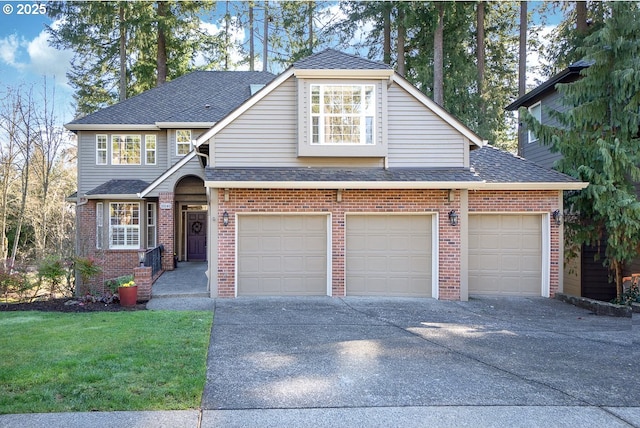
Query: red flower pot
x=128, y=295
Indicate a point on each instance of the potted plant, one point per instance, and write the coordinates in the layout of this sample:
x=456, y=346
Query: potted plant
x=127, y=291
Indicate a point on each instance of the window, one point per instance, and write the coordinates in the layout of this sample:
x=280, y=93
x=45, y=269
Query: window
x=150, y=149
x=151, y=225
x=99, y=224
x=535, y=111
x=342, y=114
x=101, y=149
x=124, y=225
x=183, y=142
x=125, y=150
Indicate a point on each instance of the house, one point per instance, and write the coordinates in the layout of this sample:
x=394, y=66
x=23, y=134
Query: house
x=585, y=275
x=338, y=177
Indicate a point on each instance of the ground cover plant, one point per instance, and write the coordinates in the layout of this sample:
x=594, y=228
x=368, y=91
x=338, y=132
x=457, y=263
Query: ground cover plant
x=100, y=361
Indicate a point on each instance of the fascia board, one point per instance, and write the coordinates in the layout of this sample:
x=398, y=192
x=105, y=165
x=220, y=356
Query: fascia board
x=342, y=184
x=110, y=127
x=343, y=74
x=184, y=125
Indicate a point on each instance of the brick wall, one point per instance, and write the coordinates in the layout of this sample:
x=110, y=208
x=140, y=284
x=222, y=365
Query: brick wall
x=367, y=201
x=166, y=225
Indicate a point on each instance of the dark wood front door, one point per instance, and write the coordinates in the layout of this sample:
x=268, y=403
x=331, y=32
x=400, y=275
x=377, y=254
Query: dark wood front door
x=196, y=235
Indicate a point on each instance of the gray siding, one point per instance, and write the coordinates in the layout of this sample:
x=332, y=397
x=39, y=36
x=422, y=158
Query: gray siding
x=91, y=175
x=535, y=151
x=418, y=137
x=267, y=135
x=173, y=157
x=192, y=167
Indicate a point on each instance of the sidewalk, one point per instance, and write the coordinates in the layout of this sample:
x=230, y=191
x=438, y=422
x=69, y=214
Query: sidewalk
x=184, y=288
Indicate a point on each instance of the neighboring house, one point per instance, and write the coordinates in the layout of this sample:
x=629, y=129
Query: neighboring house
x=337, y=178
x=584, y=276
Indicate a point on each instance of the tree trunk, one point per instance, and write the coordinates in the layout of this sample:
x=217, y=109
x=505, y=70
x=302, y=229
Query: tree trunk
x=616, y=266
x=265, y=42
x=252, y=54
x=227, y=23
x=123, y=53
x=386, y=54
x=480, y=57
x=438, y=72
x=581, y=17
x=522, y=53
x=311, y=4
x=402, y=30
x=162, y=43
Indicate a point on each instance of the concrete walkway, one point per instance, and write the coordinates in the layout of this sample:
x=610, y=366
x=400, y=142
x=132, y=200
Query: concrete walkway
x=329, y=362
x=184, y=288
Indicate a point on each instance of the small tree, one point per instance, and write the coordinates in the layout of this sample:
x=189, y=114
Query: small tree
x=599, y=140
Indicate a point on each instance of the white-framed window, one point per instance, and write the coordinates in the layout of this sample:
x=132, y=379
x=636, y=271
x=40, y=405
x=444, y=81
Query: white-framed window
x=125, y=149
x=151, y=224
x=183, y=142
x=342, y=114
x=150, y=149
x=99, y=225
x=124, y=225
x=101, y=149
x=535, y=111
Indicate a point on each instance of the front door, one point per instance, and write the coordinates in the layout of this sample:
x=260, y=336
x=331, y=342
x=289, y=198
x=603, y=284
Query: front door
x=196, y=235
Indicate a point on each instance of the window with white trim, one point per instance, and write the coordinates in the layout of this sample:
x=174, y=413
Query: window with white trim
x=183, y=142
x=535, y=111
x=124, y=225
x=101, y=149
x=125, y=149
x=99, y=224
x=342, y=114
x=150, y=149
x=151, y=224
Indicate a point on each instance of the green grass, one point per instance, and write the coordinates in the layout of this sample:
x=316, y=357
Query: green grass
x=143, y=360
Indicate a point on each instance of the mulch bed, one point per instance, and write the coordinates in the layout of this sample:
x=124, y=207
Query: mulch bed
x=68, y=305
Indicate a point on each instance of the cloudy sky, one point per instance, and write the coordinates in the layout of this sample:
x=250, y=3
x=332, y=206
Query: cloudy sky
x=26, y=56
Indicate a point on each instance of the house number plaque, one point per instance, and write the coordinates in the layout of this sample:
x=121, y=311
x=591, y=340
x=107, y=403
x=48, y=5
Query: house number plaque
x=165, y=206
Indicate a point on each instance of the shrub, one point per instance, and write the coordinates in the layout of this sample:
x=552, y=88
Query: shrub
x=52, y=271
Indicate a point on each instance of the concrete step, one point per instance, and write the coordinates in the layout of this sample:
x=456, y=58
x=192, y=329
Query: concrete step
x=176, y=294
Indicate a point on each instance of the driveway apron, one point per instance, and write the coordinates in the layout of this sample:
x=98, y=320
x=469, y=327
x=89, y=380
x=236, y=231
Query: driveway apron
x=303, y=353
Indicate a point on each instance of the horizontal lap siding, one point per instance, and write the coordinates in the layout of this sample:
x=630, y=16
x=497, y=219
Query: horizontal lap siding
x=535, y=151
x=418, y=137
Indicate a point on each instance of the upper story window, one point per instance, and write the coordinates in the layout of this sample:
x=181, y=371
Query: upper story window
x=150, y=149
x=101, y=149
x=342, y=114
x=535, y=111
x=125, y=149
x=124, y=225
x=183, y=142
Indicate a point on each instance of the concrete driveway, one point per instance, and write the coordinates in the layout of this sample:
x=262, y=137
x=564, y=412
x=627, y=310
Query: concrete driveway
x=538, y=359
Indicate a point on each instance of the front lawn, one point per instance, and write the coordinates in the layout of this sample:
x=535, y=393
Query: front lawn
x=138, y=360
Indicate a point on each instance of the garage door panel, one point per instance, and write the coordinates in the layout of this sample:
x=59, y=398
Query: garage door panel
x=505, y=254
x=388, y=255
x=282, y=255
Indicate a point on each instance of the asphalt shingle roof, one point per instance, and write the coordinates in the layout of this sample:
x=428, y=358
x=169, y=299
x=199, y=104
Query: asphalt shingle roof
x=496, y=166
x=184, y=99
x=331, y=59
x=119, y=187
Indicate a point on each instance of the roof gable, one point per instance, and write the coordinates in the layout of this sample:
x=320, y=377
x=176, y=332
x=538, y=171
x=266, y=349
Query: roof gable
x=331, y=59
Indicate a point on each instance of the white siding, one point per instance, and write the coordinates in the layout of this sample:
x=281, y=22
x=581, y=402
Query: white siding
x=418, y=137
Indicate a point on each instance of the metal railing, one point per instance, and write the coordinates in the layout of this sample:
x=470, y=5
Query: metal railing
x=153, y=259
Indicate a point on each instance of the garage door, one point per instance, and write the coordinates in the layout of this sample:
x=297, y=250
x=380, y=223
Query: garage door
x=282, y=255
x=388, y=255
x=505, y=254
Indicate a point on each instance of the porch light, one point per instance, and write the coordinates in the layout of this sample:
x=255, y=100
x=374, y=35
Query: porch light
x=453, y=218
x=225, y=218
x=557, y=217
x=141, y=255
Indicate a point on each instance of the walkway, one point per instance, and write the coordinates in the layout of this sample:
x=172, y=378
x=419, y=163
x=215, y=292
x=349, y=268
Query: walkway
x=182, y=288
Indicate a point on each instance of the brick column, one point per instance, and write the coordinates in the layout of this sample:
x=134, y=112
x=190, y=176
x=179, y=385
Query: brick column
x=166, y=229
x=142, y=278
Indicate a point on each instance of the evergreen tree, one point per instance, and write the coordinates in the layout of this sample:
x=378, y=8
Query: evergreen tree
x=599, y=140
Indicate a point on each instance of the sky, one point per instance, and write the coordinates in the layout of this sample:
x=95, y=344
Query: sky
x=26, y=57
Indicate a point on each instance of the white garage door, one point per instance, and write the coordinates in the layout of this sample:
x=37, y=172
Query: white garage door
x=505, y=254
x=388, y=255
x=282, y=255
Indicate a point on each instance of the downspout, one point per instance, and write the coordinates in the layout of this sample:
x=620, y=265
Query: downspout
x=205, y=156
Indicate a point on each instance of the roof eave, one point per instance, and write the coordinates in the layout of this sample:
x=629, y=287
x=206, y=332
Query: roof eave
x=343, y=73
x=178, y=125
x=578, y=185
x=111, y=127
x=114, y=196
x=341, y=184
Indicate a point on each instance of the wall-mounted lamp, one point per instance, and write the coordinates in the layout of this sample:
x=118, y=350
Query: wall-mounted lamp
x=225, y=218
x=141, y=256
x=557, y=217
x=453, y=218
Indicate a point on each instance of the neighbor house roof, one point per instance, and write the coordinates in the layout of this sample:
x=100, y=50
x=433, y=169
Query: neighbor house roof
x=200, y=97
x=490, y=168
x=567, y=75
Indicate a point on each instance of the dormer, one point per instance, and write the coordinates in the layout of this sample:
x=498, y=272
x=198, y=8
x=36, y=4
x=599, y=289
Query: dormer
x=341, y=105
